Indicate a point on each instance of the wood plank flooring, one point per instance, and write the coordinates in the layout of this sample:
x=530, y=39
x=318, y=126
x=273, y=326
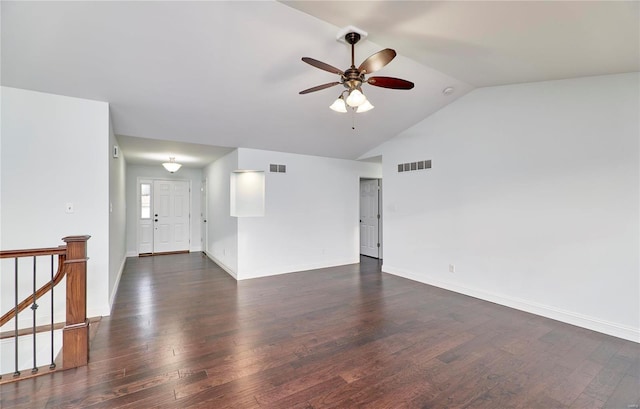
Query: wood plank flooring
x=184, y=334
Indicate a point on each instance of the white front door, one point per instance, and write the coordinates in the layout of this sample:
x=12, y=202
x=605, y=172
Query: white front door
x=170, y=216
x=369, y=218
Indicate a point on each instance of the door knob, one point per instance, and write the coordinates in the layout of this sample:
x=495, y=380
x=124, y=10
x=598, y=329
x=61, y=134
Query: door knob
x=155, y=220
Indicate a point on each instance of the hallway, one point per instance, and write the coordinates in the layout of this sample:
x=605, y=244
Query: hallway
x=184, y=334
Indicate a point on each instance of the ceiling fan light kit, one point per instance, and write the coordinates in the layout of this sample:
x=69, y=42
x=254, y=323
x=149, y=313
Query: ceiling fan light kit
x=366, y=106
x=356, y=98
x=353, y=78
x=339, y=105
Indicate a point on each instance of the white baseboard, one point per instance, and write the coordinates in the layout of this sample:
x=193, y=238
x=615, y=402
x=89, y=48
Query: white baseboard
x=117, y=283
x=131, y=254
x=222, y=265
x=299, y=268
x=569, y=317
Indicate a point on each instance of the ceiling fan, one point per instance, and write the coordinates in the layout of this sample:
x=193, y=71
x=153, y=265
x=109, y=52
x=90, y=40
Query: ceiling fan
x=353, y=78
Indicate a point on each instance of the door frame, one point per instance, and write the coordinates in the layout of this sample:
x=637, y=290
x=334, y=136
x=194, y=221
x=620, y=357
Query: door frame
x=151, y=180
x=380, y=220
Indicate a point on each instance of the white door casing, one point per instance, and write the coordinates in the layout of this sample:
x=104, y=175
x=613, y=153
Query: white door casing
x=370, y=218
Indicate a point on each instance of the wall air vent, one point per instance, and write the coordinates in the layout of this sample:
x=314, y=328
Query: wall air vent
x=410, y=166
x=277, y=168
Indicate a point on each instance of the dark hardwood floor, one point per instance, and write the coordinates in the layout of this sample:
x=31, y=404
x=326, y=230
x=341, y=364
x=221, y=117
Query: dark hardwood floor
x=184, y=334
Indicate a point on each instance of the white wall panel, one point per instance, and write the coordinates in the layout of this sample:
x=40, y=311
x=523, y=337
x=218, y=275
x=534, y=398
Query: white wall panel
x=223, y=228
x=311, y=215
x=533, y=197
x=117, y=215
x=55, y=151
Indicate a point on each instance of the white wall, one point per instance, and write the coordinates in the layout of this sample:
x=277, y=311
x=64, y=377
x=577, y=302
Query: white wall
x=133, y=172
x=533, y=196
x=117, y=216
x=222, y=244
x=54, y=151
x=311, y=215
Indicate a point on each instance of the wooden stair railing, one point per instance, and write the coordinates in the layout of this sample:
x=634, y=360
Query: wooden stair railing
x=62, y=254
x=72, y=263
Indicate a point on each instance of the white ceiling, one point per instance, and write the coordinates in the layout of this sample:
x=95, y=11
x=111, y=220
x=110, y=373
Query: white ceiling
x=143, y=151
x=228, y=74
x=487, y=43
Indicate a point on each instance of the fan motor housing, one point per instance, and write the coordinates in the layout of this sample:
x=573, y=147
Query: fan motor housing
x=353, y=78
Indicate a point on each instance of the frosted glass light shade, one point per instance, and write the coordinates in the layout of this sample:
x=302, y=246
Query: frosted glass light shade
x=172, y=166
x=365, y=107
x=356, y=98
x=338, y=105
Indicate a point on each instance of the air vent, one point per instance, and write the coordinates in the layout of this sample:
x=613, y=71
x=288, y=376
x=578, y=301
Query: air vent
x=411, y=166
x=277, y=168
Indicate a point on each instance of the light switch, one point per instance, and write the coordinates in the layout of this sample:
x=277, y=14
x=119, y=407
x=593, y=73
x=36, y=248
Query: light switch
x=69, y=208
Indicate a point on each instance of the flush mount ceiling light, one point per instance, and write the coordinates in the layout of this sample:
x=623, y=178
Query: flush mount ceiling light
x=353, y=78
x=172, y=166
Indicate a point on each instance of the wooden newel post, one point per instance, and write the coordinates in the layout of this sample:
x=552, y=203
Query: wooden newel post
x=75, y=335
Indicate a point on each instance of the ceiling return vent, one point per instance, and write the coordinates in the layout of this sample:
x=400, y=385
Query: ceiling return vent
x=409, y=166
x=277, y=168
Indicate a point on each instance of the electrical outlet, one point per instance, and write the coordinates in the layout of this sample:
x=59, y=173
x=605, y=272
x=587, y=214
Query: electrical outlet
x=452, y=268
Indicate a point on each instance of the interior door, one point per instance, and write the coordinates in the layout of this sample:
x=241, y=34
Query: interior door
x=203, y=215
x=171, y=216
x=370, y=218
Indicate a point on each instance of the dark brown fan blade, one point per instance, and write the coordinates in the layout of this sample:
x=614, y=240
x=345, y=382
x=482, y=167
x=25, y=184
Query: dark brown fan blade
x=322, y=65
x=377, y=61
x=390, y=82
x=319, y=87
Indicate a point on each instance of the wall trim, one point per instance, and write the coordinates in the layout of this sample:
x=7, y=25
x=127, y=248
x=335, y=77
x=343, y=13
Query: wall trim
x=131, y=254
x=116, y=285
x=569, y=317
x=221, y=265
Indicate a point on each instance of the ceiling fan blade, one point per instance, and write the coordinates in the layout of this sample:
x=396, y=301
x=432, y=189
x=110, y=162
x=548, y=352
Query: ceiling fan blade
x=377, y=61
x=319, y=87
x=322, y=65
x=390, y=82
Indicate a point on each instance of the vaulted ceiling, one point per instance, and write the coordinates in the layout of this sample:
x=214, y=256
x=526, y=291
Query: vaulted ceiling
x=227, y=74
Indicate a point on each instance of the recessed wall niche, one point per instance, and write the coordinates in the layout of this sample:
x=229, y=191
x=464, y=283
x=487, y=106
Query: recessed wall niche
x=247, y=193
